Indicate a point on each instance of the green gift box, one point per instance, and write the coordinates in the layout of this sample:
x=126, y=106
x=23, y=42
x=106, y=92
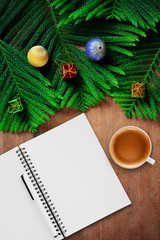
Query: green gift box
x=15, y=106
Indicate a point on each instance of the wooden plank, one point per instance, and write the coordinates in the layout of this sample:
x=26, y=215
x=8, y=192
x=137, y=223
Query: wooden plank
x=139, y=221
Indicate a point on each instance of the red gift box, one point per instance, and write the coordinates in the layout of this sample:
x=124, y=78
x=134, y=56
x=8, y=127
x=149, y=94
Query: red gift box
x=69, y=70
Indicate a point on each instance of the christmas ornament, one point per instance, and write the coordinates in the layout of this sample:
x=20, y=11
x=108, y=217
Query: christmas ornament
x=95, y=49
x=15, y=106
x=137, y=90
x=69, y=70
x=38, y=56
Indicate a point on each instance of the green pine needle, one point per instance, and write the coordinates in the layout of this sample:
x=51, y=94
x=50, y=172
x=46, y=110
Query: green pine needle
x=39, y=24
x=20, y=79
x=144, y=67
x=142, y=13
x=28, y=23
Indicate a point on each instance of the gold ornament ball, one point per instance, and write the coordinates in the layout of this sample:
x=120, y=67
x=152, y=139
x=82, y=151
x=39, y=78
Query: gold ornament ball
x=38, y=56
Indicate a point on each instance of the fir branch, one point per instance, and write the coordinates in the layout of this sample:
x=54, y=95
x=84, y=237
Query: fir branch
x=22, y=80
x=142, y=13
x=144, y=67
x=39, y=24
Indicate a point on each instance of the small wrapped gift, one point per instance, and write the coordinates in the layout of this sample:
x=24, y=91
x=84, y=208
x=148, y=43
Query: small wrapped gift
x=69, y=70
x=138, y=90
x=15, y=106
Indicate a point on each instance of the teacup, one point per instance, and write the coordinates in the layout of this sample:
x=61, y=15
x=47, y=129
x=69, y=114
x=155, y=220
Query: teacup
x=130, y=147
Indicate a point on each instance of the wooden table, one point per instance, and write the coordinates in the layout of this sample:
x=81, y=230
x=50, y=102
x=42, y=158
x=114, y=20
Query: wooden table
x=141, y=220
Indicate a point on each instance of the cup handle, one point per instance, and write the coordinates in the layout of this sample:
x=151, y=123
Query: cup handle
x=150, y=160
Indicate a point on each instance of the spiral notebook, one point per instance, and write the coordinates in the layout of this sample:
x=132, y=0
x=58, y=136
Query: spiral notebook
x=57, y=184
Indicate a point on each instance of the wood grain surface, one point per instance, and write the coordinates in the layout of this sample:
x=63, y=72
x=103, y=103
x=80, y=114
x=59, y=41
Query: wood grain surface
x=141, y=220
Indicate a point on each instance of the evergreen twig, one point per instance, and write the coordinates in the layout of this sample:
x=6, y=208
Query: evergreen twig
x=142, y=13
x=144, y=67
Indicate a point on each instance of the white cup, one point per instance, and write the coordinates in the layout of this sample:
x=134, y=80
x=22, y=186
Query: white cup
x=130, y=166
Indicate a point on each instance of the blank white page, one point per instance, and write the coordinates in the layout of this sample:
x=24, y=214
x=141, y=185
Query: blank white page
x=77, y=174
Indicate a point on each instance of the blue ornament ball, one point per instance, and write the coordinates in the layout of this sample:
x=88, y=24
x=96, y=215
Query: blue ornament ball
x=95, y=49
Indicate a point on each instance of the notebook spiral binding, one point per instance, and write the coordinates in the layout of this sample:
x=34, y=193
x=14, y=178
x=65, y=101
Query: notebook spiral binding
x=41, y=191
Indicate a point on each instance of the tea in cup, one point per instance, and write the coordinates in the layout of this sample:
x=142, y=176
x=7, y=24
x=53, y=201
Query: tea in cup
x=130, y=147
